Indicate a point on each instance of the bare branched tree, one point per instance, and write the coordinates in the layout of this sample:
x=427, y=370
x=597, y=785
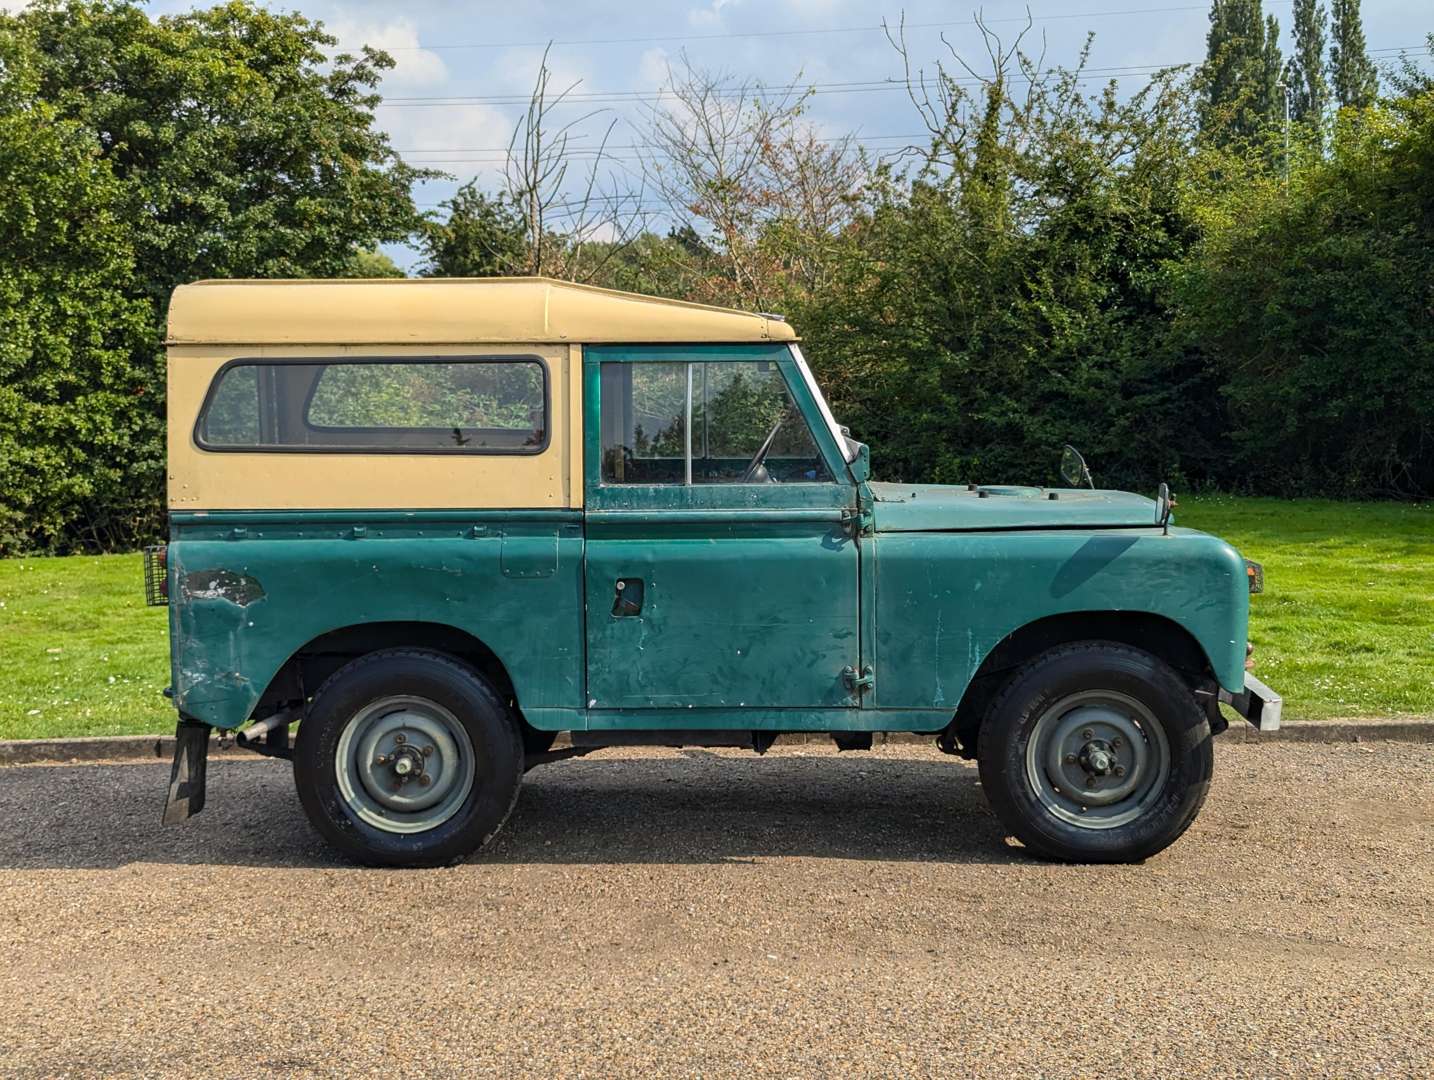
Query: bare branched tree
x=736, y=162
x=956, y=107
x=563, y=226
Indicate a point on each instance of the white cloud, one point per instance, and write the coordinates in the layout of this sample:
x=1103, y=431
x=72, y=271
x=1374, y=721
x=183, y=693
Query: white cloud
x=709, y=16
x=516, y=70
x=461, y=131
x=653, y=66
x=413, y=68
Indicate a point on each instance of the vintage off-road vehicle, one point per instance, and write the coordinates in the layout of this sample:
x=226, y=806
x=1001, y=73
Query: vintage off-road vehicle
x=437, y=523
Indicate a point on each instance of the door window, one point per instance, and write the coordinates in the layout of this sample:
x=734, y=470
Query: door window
x=722, y=422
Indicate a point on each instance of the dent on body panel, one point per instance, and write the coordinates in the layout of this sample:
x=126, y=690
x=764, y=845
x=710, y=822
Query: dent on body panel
x=215, y=614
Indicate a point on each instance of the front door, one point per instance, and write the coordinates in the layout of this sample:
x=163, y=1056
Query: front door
x=721, y=571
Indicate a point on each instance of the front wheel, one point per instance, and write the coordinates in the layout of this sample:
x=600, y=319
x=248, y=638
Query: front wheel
x=407, y=758
x=1096, y=752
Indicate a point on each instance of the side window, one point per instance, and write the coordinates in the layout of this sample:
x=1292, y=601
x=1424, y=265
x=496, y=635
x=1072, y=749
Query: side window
x=744, y=425
x=420, y=405
x=232, y=417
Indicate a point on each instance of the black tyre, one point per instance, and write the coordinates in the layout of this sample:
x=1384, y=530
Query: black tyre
x=407, y=758
x=1096, y=752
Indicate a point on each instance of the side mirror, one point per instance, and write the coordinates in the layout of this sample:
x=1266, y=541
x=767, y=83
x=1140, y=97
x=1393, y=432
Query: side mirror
x=1164, y=504
x=1073, y=468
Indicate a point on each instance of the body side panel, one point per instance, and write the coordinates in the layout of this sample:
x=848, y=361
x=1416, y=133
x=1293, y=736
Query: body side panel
x=248, y=591
x=315, y=480
x=944, y=600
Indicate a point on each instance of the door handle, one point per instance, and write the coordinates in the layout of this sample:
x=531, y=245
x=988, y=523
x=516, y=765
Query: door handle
x=628, y=599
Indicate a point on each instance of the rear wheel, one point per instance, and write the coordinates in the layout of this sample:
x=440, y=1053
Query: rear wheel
x=1096, y=752
x=407, y=758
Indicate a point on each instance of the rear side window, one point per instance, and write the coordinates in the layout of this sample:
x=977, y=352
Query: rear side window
x=494, y=406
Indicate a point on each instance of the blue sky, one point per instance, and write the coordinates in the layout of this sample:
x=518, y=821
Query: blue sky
x=448, y=49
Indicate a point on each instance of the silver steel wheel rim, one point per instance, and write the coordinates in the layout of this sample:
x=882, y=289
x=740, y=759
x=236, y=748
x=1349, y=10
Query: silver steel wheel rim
x=405, y=764
x=1097, y=759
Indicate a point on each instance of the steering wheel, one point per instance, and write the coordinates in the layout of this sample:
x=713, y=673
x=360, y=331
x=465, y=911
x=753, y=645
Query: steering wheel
x=754, y=466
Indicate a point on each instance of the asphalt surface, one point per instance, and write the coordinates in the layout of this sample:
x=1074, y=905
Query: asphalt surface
x=714, y=913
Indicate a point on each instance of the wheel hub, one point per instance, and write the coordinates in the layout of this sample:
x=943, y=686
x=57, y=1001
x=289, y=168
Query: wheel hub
x=405, y=764
x=1096, y=758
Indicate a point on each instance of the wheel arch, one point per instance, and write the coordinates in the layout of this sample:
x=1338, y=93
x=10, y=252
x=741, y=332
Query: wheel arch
x=314, y=661
x=1158, y=635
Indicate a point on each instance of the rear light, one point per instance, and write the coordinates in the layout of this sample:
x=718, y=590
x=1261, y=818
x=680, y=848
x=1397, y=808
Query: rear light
x=1256, y=575
x=156, y=575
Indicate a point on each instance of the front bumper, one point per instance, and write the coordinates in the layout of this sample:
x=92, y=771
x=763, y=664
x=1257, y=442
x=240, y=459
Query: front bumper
x=1257, y=703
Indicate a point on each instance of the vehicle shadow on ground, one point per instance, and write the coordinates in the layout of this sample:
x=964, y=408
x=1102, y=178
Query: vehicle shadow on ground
x=693, y=806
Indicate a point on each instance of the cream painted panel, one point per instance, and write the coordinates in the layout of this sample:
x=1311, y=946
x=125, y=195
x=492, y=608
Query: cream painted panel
x=449, y=310
x=313, y=480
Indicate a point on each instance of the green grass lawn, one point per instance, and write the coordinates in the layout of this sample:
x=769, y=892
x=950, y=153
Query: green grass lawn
x=80, y=653
x=1344, y=628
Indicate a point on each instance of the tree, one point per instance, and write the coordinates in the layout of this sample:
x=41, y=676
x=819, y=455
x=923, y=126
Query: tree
x=597, y=221
x=1352, y=73
x=243, y=146
x=226, y=142
x=742, y=172
x=1006, y=296
x=1239, y=80
x=80, y=395
x=1305, y=75
x=483, y=236
x=1312, y=302
x=371, y=264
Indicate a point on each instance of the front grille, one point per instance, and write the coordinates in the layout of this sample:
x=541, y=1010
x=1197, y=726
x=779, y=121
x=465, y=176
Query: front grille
x=156, y=575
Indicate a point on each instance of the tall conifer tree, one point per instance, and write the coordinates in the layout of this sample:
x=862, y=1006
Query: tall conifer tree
x=1305, y=76
x=1241, y=74
x=1352, y=73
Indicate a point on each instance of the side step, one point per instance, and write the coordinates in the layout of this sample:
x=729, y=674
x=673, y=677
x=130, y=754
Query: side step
x=760, y=741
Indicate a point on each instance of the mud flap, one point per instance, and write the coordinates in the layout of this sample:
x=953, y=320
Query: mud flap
x=186, y=776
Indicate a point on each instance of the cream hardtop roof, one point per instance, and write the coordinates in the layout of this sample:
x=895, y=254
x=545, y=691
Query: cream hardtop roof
x=446, y=311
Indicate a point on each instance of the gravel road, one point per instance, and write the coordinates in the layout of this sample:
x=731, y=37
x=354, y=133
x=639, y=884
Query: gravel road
x=714, y=913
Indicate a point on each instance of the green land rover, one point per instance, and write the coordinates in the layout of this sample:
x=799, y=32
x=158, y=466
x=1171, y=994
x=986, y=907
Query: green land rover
x=437, y=523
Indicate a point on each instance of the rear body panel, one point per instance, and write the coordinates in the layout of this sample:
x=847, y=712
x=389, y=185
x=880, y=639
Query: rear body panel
x=248, y=591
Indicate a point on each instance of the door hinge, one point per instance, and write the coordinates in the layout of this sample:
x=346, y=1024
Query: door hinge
x=860, y=683
x=857, y=522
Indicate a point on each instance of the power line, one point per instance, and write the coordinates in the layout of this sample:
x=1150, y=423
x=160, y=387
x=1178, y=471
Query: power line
x=633, y=146
x=639, y=97
x=1062, y=16
x=738, y=91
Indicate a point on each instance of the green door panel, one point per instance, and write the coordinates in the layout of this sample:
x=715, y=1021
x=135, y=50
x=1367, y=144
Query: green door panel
x=944, y=600
x=756, y=615
x=248, y=591
x=736, y=596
